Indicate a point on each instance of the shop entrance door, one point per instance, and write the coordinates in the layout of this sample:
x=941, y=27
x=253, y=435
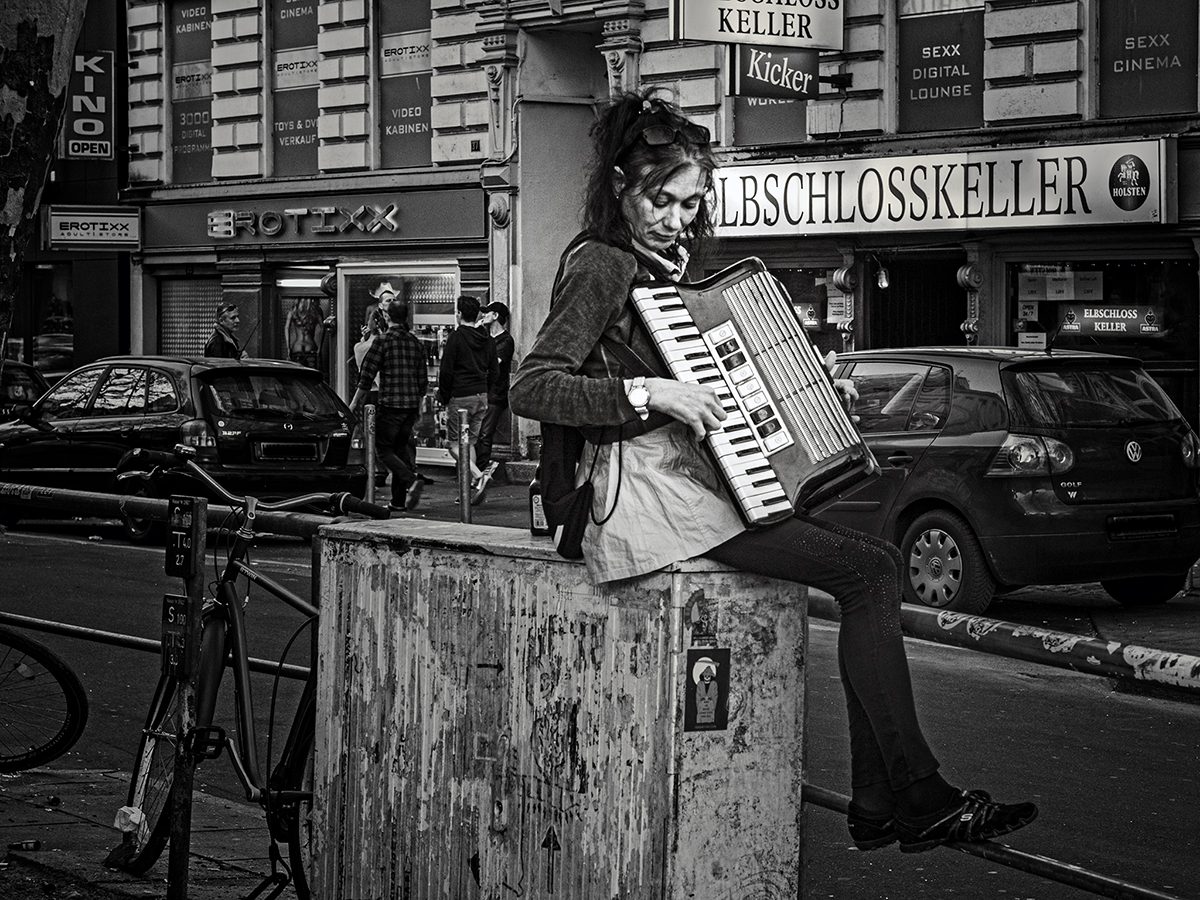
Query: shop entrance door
x=922, y=305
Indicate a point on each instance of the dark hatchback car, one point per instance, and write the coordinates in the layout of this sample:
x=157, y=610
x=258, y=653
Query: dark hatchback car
x=1005, y=467
x=20, y=385
x=260, y=427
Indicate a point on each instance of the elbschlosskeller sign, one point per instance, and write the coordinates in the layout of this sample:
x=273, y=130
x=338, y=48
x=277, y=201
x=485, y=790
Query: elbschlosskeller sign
x=815, y=24
x=1115, y=183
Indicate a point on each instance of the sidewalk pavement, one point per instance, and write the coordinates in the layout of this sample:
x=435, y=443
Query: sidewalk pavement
x=70, y=811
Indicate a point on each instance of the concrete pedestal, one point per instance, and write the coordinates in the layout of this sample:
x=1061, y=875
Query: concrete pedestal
x=491, y=725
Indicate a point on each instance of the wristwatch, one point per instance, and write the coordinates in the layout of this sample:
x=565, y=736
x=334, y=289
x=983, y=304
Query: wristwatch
x=639, y=397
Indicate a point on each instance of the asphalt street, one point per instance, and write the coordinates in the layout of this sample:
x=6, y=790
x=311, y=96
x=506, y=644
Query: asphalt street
x=1113, y=771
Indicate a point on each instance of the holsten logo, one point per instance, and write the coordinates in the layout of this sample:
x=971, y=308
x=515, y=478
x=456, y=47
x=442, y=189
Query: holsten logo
x=1129, y=182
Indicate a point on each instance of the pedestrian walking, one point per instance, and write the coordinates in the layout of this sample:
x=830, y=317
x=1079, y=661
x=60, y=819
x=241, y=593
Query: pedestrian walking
x=660, y=500
x=467, y=371
x=494, y=318
x=223, y=342
x=398, y=358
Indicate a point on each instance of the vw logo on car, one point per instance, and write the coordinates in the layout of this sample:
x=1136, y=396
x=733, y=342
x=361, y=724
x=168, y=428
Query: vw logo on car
x=1134, y=451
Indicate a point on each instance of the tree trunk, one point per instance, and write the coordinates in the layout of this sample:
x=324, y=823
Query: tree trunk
x=37, y=45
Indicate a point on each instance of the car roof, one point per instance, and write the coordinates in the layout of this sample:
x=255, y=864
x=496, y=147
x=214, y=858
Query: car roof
x=996, y=354
x=207, y=363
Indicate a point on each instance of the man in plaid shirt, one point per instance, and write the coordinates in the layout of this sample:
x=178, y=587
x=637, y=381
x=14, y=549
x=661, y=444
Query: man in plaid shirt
x=399, y=359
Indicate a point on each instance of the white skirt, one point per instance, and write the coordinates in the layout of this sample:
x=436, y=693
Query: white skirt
x=668, y=505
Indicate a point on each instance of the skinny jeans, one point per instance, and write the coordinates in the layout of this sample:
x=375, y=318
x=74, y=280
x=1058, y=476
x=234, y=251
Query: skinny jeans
x=863, y=575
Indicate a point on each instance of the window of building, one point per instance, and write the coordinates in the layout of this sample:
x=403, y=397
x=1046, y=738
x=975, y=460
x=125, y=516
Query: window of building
x=405, y=69
x=191, y=91
x=1148, y=58
x=940, y=65
x=294, y=78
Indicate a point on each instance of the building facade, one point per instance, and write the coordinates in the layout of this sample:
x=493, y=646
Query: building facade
x=996, y=171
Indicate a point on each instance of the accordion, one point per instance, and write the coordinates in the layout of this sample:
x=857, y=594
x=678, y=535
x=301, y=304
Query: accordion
x=788, y=443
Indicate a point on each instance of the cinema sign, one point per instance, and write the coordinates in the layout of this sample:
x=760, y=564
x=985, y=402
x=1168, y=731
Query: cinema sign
x=815, y=24
x=1119, y=183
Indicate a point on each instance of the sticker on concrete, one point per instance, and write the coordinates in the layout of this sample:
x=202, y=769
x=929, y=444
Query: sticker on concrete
x=706, y=694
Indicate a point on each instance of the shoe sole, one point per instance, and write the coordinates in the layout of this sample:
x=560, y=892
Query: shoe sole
x=922, y=846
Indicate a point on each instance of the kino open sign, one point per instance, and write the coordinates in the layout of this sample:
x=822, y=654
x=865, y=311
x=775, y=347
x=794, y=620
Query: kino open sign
x=88, y=123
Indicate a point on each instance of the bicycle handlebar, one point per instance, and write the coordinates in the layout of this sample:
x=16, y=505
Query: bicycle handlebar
x=341, y=503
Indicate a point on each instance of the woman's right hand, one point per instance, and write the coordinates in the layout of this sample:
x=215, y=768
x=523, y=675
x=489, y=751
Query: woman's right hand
x=694, y=405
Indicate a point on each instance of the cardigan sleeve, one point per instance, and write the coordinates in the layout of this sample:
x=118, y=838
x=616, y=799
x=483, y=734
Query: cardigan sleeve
x=567, y=377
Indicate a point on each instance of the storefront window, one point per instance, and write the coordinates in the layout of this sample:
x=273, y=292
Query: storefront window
x=1147, y=309
x=43, y=326
x=187, y=311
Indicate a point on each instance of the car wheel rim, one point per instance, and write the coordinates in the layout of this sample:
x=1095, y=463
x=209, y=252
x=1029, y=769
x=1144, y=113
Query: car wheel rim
x=935, y=568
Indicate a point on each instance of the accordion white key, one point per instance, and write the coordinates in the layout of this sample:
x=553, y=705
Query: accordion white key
x=788, y=443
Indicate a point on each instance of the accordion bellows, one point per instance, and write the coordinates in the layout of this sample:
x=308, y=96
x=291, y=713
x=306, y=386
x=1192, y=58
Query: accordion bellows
x=788, y=443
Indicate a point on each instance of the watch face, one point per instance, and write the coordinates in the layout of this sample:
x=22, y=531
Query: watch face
x=639, y=397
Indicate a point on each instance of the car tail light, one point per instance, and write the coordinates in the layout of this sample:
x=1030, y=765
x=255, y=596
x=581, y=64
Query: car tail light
x=196, y=433
x=1029, y=454
x=1189, y=448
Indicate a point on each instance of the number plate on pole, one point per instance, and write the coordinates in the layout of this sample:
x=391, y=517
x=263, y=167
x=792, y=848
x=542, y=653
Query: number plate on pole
x=174, y=635
x=179, y=536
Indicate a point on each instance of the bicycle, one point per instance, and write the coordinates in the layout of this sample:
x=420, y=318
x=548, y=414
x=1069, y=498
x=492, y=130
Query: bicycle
x=286, y=796
x=43, y=706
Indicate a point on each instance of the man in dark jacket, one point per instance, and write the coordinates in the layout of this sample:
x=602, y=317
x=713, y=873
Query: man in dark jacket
x=223, y=343
x=468, y=369
x=398, y=357
x=494, y=318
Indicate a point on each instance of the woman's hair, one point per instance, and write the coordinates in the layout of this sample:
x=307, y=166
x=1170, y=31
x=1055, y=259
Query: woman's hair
x=650, y=140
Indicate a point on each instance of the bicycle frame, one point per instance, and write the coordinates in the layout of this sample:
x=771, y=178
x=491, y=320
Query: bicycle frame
x=225, y=623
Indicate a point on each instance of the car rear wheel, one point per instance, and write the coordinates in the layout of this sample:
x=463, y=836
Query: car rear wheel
x=945, y=564
x=140, y=531
x=1149, y=590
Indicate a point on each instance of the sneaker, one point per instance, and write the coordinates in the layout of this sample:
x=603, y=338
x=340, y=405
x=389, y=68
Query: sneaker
x=870, y=832
x=972, y=816
x=392, y=507
x=479, y=488
x=413, y=495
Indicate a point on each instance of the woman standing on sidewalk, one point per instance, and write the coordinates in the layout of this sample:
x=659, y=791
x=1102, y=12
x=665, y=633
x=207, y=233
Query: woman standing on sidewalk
x=649, y=191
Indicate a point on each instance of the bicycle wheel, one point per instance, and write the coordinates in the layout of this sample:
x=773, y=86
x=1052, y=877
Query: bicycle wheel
x=150, y=789
x=300, y=816
x=43, y=707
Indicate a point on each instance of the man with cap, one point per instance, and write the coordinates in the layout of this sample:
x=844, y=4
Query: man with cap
x=493, y=318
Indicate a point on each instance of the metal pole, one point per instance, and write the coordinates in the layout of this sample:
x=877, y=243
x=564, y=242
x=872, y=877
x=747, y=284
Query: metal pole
x=185, y=762
x=464, y=468
x=369, y=449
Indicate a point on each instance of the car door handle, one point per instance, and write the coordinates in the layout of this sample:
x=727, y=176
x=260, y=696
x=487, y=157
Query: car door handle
x=899, y=459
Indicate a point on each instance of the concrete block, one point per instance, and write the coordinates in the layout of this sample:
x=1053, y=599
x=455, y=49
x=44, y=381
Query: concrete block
x=222, y=81
x=355, y=123
x=149, y=91
x=830, y=117
x=329, y=14
x=1032, y=101
x=1033, y=20
x=222, y=30
x=687, y=59
x=223, y=7
x=140, y=15
x=238, y=164
x=343, y=156
x=145, y=66
x=228, y=56
x=446, y=116
x=146, y=170
x=566, y=715
x=868, y=74
x=223, y=136
x=856, y=9
x=704, y=93
x=474, y=113
x=1058, y=58
x=865, y=38
x=247, y=27
x=448, y=56
x=146, y=142
x=342, y=40
x=1006, y=62
x=236, y=106
x=247, y=134
x=247, y=79
x=145, y=117
x=334, y=96
x=144, y=40
x=354, y=11
x=451, y=85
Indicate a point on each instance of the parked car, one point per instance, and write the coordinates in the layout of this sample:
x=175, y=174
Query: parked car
x=20, y=385
x=1005, y=467
x=261, y=427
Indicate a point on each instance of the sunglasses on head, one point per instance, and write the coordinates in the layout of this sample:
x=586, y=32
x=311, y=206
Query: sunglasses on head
x=662, y=135
x=226, y=308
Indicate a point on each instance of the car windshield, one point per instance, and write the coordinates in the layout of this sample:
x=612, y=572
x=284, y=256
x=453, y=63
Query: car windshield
x=1091, y=398
x=270, y=395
